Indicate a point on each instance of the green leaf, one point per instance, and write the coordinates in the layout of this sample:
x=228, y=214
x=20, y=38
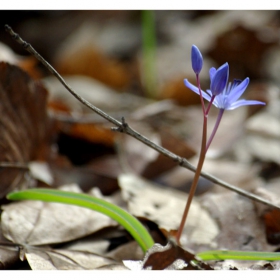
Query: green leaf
x=238, y=255
x=131, y=224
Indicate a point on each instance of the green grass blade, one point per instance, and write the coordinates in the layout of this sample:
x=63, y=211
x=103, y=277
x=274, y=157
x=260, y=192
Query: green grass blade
x=238, y=255
x=149, y=52
x=131, y=224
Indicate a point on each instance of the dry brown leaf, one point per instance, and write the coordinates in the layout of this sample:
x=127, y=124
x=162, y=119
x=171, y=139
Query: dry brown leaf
x=23, y=122
x=169, y=257
x=177, y=91
x=37, y=223
x=243, y=60
x=27, y=64
x=88, y=60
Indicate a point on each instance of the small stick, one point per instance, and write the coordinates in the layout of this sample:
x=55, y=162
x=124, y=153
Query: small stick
x=125, y=128
x=18, y=165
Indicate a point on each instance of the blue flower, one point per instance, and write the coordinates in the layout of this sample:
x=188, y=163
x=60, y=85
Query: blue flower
x=219, y=79
x=197, y=60
x=228, y=99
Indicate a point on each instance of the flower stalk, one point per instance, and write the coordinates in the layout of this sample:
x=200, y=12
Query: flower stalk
x=222, y=95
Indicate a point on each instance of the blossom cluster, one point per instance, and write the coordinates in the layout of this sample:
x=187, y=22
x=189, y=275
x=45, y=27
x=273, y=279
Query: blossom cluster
x=225, y=95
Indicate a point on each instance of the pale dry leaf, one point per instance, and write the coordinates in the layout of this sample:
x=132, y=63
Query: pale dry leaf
x=113, y=267
x=263, y=131
x=264, y=148
x=248, y=265
x=93, y=91
x=128, y=251
x=241, y=227
x=37, y=223
x=239, y=174
x=92, y=245
x=41, y=171
x=113, y=37
x=6, y=54
x=165, y=207
x=40, y=259
x=134, y=154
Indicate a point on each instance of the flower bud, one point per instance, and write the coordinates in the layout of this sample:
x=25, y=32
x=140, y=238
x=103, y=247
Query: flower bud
x=219, y=79
x=197, y=59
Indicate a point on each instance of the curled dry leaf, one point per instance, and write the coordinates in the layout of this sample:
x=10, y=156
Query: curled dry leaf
x=37, y=223
x=23, y=123
x=169, y=257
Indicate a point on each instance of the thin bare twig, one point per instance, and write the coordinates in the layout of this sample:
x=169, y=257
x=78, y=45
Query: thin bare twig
x=125, y=128
x=18, y=165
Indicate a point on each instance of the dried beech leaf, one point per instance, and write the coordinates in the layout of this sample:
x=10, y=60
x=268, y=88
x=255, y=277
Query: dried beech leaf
x=37, y=223
x=40, y=259
x=165, y=207
x=23, y=122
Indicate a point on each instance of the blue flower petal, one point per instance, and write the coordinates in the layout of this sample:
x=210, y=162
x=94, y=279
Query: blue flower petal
x=212, y=73
x=197, y=59
x=196, y=90
x=220, y=79
x=237, y=91
x=243, y=102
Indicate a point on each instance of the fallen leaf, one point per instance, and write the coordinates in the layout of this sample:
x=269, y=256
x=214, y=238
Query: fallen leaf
x=57, y=259
x=74, y=61
x=165, y=207
x=241, y=227
x=38, y=223
x=23, y=123
x=169, y=257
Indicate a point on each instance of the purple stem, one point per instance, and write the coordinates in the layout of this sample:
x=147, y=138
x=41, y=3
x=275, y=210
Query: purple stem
x=200, y=94
x=195, y=180
x=210, y=104
x=215, y=128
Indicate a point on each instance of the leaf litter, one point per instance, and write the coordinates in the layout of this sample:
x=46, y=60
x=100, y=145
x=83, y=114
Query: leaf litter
x=219, y=219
